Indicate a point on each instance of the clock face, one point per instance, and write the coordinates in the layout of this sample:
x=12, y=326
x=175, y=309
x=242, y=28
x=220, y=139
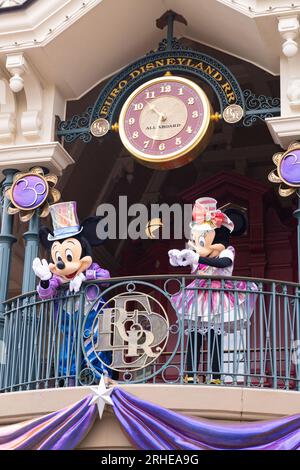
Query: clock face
x=164, y=120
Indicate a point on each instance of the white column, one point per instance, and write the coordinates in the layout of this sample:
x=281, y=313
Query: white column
x=285, y=129
x=29, y=105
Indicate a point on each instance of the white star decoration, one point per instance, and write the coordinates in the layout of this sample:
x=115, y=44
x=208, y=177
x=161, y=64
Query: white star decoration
x=102, y=396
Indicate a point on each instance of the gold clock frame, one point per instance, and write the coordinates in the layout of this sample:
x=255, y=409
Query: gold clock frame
x=183, y=156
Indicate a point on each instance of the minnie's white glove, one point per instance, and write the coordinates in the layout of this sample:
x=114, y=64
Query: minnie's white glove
x=173, y=257
x=41, y=269
x=75, y=283
x=189, y=258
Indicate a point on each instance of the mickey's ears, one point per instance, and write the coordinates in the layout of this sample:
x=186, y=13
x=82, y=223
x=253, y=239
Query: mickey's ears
x=43, y=236
x=89, y=231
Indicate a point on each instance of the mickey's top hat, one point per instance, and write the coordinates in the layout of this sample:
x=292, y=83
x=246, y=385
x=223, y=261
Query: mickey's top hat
x=65, y=220
x=207, y=217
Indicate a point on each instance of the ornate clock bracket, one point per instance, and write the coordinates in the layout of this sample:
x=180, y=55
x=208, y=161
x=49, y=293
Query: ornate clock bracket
x=236, y=106
x=167, y=19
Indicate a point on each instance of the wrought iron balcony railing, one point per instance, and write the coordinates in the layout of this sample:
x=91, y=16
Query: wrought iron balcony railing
x=155, y=329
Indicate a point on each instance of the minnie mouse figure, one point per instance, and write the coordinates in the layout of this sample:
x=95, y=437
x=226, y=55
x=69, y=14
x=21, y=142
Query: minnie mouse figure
x=210, y=306
x=70, y=246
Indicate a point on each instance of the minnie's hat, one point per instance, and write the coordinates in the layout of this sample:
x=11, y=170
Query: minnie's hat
x=207, y=217
x=65, y=221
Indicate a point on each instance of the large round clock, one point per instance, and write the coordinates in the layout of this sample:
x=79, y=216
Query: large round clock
x=166, y=122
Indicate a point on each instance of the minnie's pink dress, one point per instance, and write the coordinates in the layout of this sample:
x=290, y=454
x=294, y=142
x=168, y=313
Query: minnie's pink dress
x=212, y=304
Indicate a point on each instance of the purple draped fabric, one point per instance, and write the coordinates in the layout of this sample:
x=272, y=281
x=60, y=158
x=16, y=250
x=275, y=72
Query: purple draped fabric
x=61, y=430
x=151, y=427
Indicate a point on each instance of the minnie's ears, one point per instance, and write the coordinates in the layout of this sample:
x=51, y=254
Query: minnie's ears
x=222, y=236
x=89, y=231
x=43, y=236
x=240, y=220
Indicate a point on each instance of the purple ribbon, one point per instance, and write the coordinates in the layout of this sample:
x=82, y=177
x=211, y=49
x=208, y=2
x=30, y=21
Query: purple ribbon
x=61, y=430
x=150, y=427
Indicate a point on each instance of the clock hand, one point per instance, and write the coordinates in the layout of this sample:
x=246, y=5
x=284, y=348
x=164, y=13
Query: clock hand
x=157, y=129
x=154, y=108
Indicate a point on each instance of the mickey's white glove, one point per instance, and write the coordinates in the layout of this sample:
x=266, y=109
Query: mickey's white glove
x=75, y=283
x=173, y=257
x=188, y=258
x=41, y=269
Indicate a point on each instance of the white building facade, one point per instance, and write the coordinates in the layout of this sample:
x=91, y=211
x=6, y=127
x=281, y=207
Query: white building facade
x=55, y=58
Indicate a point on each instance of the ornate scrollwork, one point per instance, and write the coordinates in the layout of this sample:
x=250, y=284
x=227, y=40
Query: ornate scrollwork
x=259, y=107
x=86, y=377
x=135, y=336
x=255, y=107
x=131, y=331
x=186, y=60
x=176, y=45
x=76, y=127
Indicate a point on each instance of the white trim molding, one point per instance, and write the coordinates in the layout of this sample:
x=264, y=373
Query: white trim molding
x=40, y=22
x=51, y=155
x=284, y=130
x=258, y=8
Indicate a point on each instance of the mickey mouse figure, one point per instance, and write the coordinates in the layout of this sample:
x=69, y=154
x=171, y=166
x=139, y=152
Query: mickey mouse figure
x=70, y=245
x=210, y=306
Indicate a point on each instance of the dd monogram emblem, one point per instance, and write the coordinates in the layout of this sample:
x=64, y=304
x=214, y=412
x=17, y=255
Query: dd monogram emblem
x=135, y=328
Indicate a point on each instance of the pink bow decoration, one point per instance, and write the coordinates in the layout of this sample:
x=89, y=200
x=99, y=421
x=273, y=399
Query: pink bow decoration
x=201, y=215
